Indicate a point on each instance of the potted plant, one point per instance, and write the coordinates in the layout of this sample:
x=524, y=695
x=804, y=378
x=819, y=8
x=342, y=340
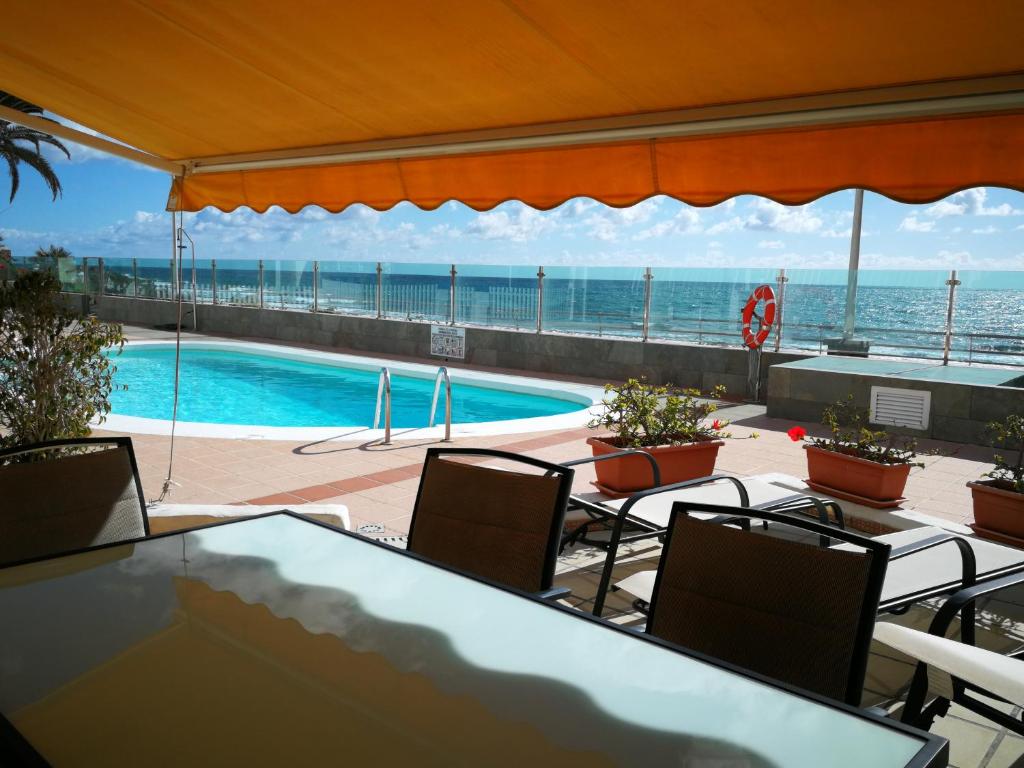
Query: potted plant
x=667, y=423
x=999, y=501
x=857, y=463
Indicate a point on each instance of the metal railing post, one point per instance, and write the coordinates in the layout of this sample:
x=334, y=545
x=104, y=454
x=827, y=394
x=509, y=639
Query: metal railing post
x=316, y=286
x=451, y=297
x=213, y=281
x=260, y=277
x=948, y=341
x=135, y=278
x=540, y=299
x=780, y=307
x=101, y=287
x=174, y=278
x=380, y=291
x=647, y=302
x=85, y=275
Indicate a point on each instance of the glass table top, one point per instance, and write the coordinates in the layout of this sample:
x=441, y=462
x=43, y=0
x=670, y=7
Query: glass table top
x=275, y=641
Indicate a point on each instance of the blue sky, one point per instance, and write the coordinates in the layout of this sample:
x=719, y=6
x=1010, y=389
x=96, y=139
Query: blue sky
x=114, y=208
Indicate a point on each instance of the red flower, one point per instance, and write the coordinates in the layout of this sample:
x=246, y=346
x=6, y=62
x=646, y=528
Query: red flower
x=796, y=434
x=716, y=425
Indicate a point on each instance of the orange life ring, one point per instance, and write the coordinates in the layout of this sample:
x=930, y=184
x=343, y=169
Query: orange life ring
x=767, y=295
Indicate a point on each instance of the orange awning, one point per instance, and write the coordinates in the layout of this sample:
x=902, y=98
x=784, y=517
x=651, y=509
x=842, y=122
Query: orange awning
x=263, y=103
x=915, y=162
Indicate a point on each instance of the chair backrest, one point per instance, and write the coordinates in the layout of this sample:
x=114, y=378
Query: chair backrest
x=499, y=524
x=790, y=610
x=69, y=500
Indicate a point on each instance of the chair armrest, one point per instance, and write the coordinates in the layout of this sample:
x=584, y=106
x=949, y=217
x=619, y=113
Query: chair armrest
x=553, y=593
x=957, y=602
x=970, y=562
x=655, y=471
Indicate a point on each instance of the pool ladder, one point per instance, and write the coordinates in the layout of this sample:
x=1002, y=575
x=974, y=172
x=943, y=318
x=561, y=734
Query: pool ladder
x=442, y=373
x=384, y=395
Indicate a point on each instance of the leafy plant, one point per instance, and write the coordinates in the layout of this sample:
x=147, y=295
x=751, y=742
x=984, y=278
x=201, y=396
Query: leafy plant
x=13, y=149
x=55, y=373
x=1008, y=433
x=852, y=436
x=641, y=414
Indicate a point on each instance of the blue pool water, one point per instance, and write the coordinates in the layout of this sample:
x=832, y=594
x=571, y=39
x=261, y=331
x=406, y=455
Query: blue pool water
x=227, y=387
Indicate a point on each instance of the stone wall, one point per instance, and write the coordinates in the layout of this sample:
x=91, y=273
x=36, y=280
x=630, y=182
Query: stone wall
x=959, y=411
x=581, y=356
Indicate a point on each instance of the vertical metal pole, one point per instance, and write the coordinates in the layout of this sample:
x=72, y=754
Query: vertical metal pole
x=260, y=271
x=948, y=342
x=316, y=286
x=213, y=280
x=174, y=251
x=101, y=287
x=451, y=298
x=647, y=301
x=195, y=298
x=540, y=299
x=174, y=281
x=851, y=278
x=85, y=275
x=380, y=291
x=135, y=278
x=780, y=307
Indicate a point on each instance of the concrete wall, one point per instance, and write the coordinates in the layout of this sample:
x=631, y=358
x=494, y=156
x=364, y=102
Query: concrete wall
x=959, y=411
x=586, y=357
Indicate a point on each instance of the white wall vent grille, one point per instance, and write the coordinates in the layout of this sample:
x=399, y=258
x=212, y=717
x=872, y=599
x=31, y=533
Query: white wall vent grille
x=900, y=407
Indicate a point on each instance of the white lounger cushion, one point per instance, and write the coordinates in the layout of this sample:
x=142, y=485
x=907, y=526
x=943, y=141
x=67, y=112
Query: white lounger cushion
x=340, y=511
x=940, y=566
x=657, y=509
x=989, y=671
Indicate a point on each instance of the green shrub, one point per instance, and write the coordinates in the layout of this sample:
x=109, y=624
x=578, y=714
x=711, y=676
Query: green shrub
x=1008, y=433
x=852, y=436
x=641, y=414
x=55, y=373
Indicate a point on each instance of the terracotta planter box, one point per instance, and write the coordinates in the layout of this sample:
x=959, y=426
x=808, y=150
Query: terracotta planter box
x=997, y=509
x=860, y=480
x=620, y=477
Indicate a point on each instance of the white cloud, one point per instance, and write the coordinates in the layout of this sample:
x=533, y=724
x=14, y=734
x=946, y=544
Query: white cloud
x=769, y=216
x=685, y=222
x=970, y=202
x=989, y=230
x=517, y=224
x=912, y=224
x=772, y=245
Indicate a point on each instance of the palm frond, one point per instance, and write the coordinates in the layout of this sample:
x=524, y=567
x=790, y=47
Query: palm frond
x=42, y=166
x=12, y=165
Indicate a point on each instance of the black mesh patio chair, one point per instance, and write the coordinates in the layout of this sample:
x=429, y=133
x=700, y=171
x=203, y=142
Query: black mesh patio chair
x=491, y=522
x=68, y=495
x=787, y=609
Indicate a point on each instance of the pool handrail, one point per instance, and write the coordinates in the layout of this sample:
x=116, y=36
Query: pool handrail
x=442, y=373
x=384, y=388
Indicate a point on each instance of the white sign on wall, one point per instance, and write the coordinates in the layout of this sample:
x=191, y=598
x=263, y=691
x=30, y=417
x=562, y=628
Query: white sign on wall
x=446, y=341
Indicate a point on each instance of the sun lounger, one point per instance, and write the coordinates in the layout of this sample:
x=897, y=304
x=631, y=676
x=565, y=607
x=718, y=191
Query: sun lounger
x=926, y=562
x=645, y=514
x=172, y=517
x=954, y=671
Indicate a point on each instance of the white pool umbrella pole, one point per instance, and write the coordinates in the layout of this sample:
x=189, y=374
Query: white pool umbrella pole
x=851, y=276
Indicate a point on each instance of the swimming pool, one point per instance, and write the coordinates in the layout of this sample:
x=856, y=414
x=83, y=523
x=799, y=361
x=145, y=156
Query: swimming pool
x=254, y=390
